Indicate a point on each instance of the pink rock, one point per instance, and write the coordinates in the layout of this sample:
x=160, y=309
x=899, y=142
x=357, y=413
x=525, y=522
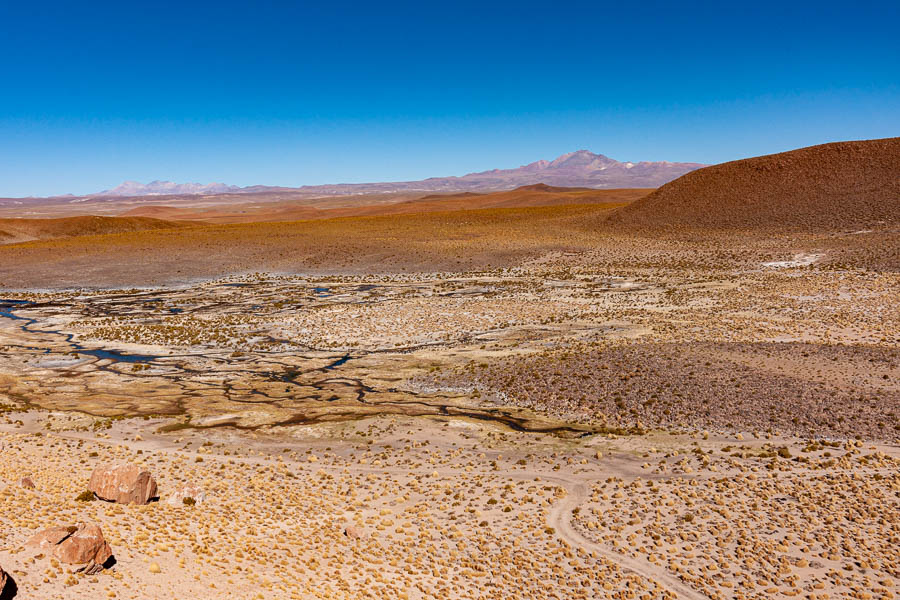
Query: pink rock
x=50, y=537
x=81, y=544
x=86, y=546
x=26, y=483
x=125, y=484
x=3, y=579
x=352, y=532
x=187, y=491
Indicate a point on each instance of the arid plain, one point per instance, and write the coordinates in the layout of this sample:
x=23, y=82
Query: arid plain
x=543, y=393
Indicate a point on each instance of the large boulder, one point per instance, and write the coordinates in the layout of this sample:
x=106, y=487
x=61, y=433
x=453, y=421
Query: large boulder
x=3, y=579
x=86, y=546
x=125, y=484
x=82, y=545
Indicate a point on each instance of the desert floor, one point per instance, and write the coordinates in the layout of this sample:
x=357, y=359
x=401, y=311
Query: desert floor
x=505, y=412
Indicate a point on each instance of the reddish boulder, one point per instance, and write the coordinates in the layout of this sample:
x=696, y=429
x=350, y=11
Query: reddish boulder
x=125, y=484
x=86, y=546
x=81, y=544
x=26, y=483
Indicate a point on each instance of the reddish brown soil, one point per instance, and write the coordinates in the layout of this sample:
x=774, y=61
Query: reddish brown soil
x=834, y=187
x=375, y=205
x=22, y=230
x=433, y=241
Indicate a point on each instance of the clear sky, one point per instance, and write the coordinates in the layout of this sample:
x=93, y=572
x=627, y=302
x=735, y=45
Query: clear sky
x=292, y=93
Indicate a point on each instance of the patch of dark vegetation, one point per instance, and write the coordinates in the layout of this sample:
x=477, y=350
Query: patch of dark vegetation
x=766, y=387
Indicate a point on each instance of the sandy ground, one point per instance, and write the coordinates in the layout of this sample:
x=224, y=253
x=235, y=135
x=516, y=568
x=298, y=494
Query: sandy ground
x=449, y=507
x=524, y=408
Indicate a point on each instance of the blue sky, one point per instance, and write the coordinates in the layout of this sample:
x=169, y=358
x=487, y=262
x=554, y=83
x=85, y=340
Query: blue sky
x=292, y=93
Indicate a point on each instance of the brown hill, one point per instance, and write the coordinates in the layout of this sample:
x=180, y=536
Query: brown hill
x=23, y=230
x=522, y=197
x=419, y=242
x=838, y=186
x=377, y=204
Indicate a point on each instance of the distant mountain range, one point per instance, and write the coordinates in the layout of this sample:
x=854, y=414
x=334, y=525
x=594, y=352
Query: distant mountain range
x=168, y=188
x=575, y=169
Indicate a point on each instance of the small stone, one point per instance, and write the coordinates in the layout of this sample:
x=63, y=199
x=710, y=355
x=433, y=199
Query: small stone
x=26, y=483
x=186, y=491
x=154, y=568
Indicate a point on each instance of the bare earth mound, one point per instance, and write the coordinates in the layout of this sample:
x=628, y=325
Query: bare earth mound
x=24, y=230
x=839, y=186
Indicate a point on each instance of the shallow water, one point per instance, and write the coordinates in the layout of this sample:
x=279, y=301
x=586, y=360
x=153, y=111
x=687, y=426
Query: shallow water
x=8, y=306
